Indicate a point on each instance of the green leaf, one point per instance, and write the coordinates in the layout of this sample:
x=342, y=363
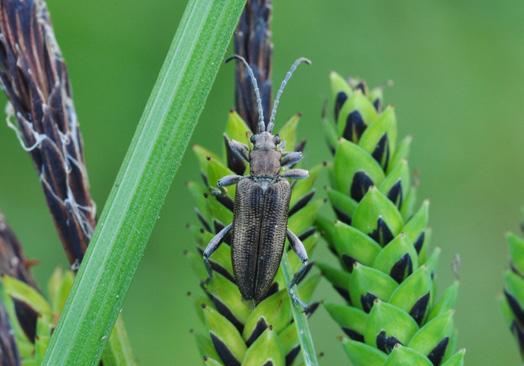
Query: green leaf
x=274, y=310
x=338, y=278
x=375, y=206
x=304, y=186
x=429, y=336
x=362, y=354
x=366, y=280
x=228, y=294
x=447, y=301
x=401, y=153
x=349, y=318
x=391, y=320
x=21, y=291
x=225, y=332
x=406, y=357
x=352, y=244
x=134, y=204
x=351, y=159
x=456, y=360
x=386, y=124
x=237, y=129
x=339, y=84
x=206, y=347
x=342, y=202
x=516, y=251
x=300, y=223
x=264, y=351
x=288, y=132
x=396, y=250
x=413, y=289
x=358, y=102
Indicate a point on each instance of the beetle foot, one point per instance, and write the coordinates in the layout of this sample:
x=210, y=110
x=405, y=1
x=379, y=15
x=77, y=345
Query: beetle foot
x=217, y=191
x=297, y=301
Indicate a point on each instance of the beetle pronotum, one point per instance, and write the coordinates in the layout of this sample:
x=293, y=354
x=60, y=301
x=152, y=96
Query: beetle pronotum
x=261, y=206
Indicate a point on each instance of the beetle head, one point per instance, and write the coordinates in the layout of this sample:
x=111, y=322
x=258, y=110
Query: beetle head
x=265, y=141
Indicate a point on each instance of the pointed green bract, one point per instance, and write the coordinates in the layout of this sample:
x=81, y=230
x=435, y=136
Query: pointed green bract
x=59, y=286
x=512, y=303
x=392, y=314
x=240, y=331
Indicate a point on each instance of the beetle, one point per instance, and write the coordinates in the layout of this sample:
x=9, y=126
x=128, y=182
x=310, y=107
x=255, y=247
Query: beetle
x=260, y=211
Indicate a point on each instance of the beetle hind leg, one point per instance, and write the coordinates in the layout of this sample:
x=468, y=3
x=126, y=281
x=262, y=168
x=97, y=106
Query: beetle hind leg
x=300, y=250
x=213, y=245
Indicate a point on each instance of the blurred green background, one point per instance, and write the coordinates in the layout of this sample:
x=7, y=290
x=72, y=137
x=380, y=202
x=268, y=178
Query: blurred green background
x=458, y=69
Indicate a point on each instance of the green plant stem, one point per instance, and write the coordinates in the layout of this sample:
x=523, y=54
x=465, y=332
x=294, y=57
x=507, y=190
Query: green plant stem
x=146, y=174
x=301, y=322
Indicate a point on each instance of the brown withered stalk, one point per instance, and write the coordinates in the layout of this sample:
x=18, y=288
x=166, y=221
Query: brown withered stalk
x=41, y=112
x=253, y=42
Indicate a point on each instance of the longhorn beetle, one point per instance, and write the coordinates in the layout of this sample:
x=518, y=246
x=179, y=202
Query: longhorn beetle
x=261, y=206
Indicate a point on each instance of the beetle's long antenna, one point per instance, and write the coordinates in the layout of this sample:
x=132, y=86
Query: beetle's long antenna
x=261, y=124
x=292, y=69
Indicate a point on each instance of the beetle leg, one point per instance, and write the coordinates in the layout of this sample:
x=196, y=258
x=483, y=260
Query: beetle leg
x=291, y=158
x=229, y=180
x=295, y=174
x=213, y=245
x=239, y=149
x=300, y=250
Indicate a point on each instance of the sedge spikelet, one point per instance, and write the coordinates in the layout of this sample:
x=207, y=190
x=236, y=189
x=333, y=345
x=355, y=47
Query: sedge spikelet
x=392, y=314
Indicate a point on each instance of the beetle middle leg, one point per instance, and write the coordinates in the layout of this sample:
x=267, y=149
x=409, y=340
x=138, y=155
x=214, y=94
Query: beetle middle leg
x=291, y=158
x=295, y=174
x=213, y=245
x=300, y=250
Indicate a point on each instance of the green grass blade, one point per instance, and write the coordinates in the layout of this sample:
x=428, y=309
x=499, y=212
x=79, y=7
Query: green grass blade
x=301, y=323
x=151, y=162
x=119, y=351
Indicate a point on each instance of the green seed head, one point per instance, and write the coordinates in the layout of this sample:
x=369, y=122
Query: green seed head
x=392, y=314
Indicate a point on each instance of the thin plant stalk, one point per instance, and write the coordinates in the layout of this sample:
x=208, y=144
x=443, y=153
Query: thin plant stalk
x=149, y=167
x=301, y=323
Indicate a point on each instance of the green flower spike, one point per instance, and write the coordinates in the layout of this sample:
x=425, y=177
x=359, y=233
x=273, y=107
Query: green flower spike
x=392, y=315
x=241, y=332
x=513, y=301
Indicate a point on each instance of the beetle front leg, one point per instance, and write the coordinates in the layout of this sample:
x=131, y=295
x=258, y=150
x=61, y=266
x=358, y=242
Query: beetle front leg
x=213, y=245
x=241, y=150
x=295, y=174
x=291, y=158
x=300, y=250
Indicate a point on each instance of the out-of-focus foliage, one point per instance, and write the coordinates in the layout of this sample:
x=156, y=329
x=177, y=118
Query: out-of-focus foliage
x=459, y=86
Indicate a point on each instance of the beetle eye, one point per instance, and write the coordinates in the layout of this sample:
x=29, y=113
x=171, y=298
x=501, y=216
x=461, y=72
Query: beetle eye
x=276, y=140
x=252, y=139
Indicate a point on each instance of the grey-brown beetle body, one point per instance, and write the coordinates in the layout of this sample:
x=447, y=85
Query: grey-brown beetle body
x=261, y=206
